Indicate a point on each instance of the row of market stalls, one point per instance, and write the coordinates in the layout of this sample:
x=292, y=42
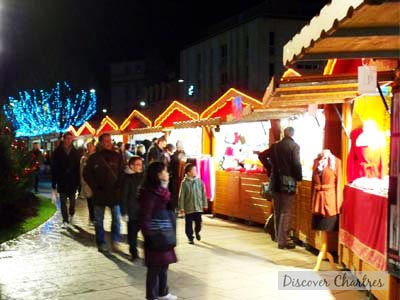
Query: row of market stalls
x=328, y=111
x=358, y=96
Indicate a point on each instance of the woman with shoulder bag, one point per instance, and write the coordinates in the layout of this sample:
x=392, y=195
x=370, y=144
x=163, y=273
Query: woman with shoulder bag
x=155, y=218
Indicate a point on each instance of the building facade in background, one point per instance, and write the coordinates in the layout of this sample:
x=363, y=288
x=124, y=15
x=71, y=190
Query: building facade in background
x=140, y=83
x=244, y=52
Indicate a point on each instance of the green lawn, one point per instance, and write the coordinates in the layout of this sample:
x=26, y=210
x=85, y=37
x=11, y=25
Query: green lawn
x=45, y=211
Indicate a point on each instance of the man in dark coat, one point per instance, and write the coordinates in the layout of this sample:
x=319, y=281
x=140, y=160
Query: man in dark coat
x=284, y=157
x=65, y=176
x=156, y=151
x=174, y=172
x=102, y=173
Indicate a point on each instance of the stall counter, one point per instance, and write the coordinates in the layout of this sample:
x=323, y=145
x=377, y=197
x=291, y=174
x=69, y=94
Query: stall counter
x=362, y=235
x=237, y=194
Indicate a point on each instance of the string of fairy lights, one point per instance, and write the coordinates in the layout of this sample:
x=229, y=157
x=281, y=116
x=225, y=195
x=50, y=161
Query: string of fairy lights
x=42, y=112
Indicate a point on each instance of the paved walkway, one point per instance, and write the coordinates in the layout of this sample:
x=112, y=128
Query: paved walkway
x=233, y=261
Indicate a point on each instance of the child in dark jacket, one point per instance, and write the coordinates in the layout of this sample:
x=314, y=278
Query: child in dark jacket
x=131, y=183
x=192, y=200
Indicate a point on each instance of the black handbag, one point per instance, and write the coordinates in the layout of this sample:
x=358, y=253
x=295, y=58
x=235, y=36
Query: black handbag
x=287, y=184
x=266, y=190
x=162, y=233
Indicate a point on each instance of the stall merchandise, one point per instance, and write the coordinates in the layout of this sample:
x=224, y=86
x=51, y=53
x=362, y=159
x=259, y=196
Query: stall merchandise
x=236, y=141
x=206, y=172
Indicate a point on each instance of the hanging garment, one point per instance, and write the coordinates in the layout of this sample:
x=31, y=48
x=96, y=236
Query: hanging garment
x=363, y=161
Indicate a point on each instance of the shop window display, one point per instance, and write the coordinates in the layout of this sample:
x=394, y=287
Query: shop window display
x=366, y=165
x=238, y=145
x=368, y=160
x=192, y=138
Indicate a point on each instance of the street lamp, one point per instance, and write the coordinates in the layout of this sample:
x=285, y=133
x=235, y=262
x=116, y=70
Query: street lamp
x=142, y=103
x=104, y=110
x=181, y=80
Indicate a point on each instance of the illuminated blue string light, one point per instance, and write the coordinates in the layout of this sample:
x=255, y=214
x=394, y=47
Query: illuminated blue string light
x=38, y=113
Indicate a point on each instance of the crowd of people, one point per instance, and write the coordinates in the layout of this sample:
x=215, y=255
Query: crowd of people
x=136, y=187
x=147, y=190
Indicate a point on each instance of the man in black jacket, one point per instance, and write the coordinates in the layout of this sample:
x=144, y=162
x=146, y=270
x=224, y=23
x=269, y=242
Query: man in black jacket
x=284, y=157
x=102, y=173
x=65, y=176
x=156, y=151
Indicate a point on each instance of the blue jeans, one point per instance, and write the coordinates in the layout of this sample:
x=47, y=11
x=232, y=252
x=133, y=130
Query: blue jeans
x=115, y=224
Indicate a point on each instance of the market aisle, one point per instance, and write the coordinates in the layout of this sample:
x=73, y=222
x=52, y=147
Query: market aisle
x=232, y=261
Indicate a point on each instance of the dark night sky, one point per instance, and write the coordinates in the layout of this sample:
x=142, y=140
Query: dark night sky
x=44, y=41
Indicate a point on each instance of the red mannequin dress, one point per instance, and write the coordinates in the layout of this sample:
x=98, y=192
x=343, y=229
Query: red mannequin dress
x=363, y=161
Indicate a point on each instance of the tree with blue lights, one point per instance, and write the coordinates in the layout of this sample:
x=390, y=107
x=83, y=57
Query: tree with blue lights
x=42, y=112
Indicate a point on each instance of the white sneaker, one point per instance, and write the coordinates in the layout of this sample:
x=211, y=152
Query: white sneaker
x=64, y=225
x=168, y=297
x=72, y=220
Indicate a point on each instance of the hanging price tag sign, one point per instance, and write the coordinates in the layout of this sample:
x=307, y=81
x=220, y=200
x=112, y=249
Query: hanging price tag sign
x=367, y=79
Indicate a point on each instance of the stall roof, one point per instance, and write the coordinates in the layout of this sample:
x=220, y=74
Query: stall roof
x=175, y=112
x=198, y=123
x=265, y=114
x=299, y=92
x=107, y=125
x=146, y=130
x=348, y=29
x=224, y=106
x=134, y=121
x=86, y=129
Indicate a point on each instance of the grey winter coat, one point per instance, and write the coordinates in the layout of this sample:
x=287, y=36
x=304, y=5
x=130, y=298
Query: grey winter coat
x=192, y=196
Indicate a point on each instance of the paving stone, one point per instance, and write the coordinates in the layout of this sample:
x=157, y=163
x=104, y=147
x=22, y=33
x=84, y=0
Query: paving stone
x=233, y=261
